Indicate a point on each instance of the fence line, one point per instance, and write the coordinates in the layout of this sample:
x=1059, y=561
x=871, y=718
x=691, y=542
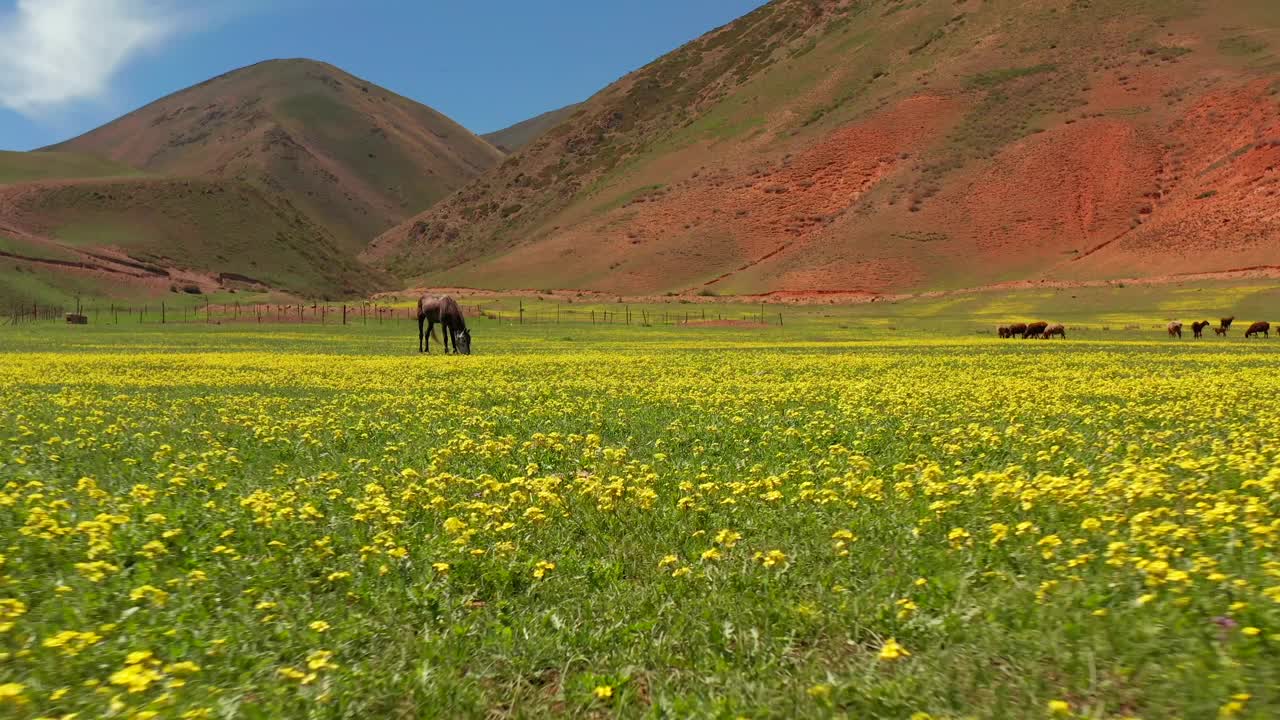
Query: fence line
x=359, y=313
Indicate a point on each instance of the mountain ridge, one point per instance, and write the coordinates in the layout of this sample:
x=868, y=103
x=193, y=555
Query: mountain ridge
x=515, y=137
x=358, y=157
x=295, y=164
x=890, y=146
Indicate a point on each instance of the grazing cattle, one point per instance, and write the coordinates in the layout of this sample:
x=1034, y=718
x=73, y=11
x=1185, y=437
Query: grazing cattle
x=1175, y=329
x=1035, y=329
x=1261, y=327
x=1224, y=325
x=1199, y=326
x=1003, y=331
x=1055, y=329
x=1018, y=330
x=443, y=310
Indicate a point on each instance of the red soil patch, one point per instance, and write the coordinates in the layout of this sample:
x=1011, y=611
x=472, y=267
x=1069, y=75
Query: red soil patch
x=1217, y=206
x=724, y=221
x=1066, y=190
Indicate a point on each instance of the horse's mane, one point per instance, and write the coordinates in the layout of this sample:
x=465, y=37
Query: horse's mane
x=450, y=306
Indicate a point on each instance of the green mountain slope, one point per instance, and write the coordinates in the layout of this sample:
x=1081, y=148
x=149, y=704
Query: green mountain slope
x=18, y=167
x=355, y=157
x=156, y=231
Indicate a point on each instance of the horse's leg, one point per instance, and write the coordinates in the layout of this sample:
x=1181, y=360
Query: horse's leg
x=431, y=328
x=446, y=329
x=421, y=318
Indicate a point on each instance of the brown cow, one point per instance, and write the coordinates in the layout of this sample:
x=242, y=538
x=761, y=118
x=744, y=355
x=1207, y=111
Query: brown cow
x=1175, y=329
x=1262, y=326
x=1199, y=326
x=1055, y=329
x=1035, y=329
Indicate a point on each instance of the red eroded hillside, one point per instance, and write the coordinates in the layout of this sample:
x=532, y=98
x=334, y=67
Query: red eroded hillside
x=1216, y=205
x=886, y=146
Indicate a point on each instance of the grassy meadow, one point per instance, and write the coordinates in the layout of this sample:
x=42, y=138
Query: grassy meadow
x=866, y=512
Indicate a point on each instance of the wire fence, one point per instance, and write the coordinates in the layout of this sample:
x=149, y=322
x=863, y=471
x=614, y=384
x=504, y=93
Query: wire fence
x=363, y=314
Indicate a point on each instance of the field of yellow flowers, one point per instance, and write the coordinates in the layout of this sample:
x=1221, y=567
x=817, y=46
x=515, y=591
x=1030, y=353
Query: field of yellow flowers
x=222, y=523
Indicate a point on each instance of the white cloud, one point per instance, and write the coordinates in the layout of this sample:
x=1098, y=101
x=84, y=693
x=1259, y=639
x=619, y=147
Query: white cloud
x=57, y=52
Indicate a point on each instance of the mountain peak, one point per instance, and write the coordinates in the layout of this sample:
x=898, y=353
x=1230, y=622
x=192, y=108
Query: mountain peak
x=354, y=155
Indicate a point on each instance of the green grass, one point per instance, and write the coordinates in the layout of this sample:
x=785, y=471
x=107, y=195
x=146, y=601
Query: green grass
x=215, y=226
x=23, y=283
x=994, y=78
x=630, y=196
x=104, y=233
x=1241, y=45
x=33, y=166
x=1167, y=52
x=324, y=523
x=18, y=247
x=1228, y=158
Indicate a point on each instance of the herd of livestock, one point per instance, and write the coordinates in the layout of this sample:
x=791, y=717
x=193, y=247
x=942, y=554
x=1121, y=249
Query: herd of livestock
x=1045, y=330
x=1262, y=327
x=445, y=311
x=1032, y=330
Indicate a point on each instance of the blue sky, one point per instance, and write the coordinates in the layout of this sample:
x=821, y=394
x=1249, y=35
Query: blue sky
x=68, y=66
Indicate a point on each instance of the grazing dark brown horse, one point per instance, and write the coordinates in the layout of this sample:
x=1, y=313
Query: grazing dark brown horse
x=443, y=310
x=1175, y=329
x=1199, y=326
x=1055, y=329
x=1224, y=325
x=1035, y=329
x=1262, y=327
x=1003, y=331
x=1018, y=329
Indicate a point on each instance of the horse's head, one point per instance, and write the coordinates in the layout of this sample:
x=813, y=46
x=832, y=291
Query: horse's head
x=462, y=341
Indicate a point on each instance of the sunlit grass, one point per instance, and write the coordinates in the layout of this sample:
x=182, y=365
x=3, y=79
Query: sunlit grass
x=227, y=521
